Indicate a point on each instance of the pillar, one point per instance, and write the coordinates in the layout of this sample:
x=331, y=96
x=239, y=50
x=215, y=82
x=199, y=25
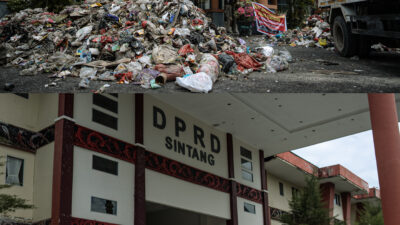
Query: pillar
x=232, y=182
x=328, y=194
x=264, y=189
x=61, y=205
x=140, y=165
x=386, y=136
x=346, y=207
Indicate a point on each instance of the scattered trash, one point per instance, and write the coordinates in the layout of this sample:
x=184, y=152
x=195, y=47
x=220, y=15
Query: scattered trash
x=198, y=82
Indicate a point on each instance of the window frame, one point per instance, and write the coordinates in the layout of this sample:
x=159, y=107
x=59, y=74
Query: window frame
x=281, y=189
x=103, y=158
x=251, y=206
x=337, y=200
x=20, y=177
x=91, y=206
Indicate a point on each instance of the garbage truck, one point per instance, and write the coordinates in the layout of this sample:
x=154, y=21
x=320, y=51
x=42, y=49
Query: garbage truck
x=358, y=24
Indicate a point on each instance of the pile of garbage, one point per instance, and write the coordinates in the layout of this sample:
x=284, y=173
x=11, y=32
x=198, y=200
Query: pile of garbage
x=144, y=42
x=316, y=33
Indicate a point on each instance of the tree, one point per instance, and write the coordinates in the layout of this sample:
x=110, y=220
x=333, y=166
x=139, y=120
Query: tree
x=52, y=5
x=297, y=10
x=306, y=207
x=10, y=203
x=371, y=214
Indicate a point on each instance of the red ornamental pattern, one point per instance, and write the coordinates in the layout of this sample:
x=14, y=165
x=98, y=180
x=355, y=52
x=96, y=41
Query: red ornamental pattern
x=179, y=170
x=249, y=193
x=93, y=140
x=78, y=221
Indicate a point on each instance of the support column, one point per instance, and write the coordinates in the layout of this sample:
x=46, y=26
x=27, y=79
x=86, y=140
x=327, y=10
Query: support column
x=346, y=207
x=231, y=171
x=386, y=136
x=63, y=161
x=328, y=194
x=264, y=189
x=140, y=165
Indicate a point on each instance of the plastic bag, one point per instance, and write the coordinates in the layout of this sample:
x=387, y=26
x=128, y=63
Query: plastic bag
x=145, y=76
x=164, y=54
x=82, y=33
x=87, y=72
x=184, y=50
x=226, y=61
x=209, y=65
x=267, y=51
x=145, y=60
x=183, y=32
x=279, y=63
x=135, y=68
x=286, y=54
x=198, y=82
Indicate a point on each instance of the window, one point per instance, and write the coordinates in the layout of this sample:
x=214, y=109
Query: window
x=105, y=110
x=105, y=165
x=337, y=199
x=104, y=206
x=14, y=171
x=247, y=164
x=281, y=189
x=295, y=191
x=249, y=208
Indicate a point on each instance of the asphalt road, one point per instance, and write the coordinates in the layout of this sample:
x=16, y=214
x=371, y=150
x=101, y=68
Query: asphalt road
x=309, y=73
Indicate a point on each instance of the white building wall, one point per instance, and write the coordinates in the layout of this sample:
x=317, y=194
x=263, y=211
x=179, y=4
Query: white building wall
x=43, y=182
x=170, y=191
x=173, y=216
x=275, y=199
x=246, y=218
x=20, y=111
x=88, y=182
x=155, y=138
x=83, y=105
x=26, y=190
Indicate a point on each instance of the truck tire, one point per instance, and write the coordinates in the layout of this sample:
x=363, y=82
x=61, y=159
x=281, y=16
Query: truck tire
x=344, y=40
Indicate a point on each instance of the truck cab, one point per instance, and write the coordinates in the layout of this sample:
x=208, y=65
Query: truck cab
x=358, y=24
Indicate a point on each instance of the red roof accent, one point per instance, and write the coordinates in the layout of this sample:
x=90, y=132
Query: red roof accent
x=373, y=193
x=325, y=172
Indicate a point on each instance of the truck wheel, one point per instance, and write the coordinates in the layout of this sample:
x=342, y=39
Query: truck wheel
x=364, y=46
x=343, y=38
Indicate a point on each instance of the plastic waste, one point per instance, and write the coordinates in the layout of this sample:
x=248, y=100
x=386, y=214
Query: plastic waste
x=87, y=72
x=198, y=82
x=267, y=51
x=168, y=72
x=286, y=55
x=164, y=54
x=279, y=63
x=209, y=65
x=227, y=62
x=82, y=33
x=184, y=50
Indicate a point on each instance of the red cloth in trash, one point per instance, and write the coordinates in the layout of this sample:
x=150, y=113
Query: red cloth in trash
x=244, y=61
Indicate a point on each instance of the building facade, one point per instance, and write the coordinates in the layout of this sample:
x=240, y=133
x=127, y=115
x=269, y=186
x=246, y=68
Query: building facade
x=137, y=159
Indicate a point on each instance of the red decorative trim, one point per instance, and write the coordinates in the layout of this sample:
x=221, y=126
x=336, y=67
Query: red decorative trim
x=249, y=193
x=184, y=172
x=79, y=221
x=98, y=142
x=63, y=164
x=24, y=139
x=140, y=175
x=328, y=194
